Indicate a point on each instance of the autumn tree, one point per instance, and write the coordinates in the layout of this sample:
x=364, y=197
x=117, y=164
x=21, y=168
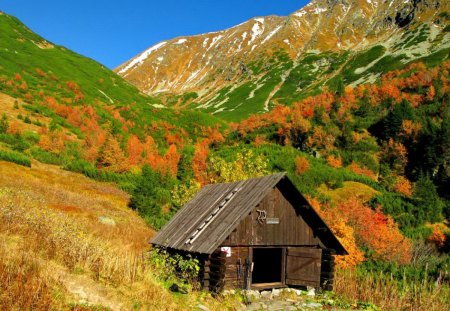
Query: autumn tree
x=13, y=128
x=135, y=150
x=111, y=155
x=247, y=165
x=437, y=237
x=403, y=186
x=199, y=162
x=395, y=155
x=53, y=141
x=334, y=161
x=343, y=232
x=376, y=231
x=301, y=165
x=171, y=159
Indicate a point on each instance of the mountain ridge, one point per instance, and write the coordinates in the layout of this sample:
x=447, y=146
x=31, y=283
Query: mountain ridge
x=207, y=64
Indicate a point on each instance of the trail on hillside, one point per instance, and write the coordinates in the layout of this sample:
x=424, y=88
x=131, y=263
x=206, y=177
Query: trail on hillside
x=85, y=290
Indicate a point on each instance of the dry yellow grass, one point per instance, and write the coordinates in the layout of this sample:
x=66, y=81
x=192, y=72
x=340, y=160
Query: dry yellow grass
x=7, y=107
x=390, y=294
x=65, y=239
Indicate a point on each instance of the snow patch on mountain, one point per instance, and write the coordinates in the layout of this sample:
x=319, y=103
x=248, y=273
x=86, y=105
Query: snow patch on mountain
x=272, y=33
x=300, y=13
x=214, y=40
x=181, y=41
x=140, y=59
x=319, y=10
x=257, y=30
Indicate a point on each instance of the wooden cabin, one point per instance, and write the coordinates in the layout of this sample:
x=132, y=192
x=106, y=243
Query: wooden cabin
x=254, y=234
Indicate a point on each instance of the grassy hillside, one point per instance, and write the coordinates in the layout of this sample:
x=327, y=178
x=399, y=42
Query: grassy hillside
x=67, y=240
x=77, y=99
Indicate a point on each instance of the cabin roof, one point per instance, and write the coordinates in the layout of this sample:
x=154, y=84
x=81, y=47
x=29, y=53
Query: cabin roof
x=217, y=209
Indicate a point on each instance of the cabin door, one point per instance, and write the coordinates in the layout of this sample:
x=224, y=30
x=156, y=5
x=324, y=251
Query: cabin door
x=303, y=266
x=267, y=267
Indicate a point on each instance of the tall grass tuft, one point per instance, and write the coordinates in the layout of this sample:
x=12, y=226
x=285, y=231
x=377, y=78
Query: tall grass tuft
x=22, y=286
x=390, y=293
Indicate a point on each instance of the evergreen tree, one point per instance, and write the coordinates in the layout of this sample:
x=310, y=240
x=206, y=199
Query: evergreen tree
x=339, y=86
x=150, y=195
x=143, y=199
x=3, y=124
x=392, y=124
x=427, y=200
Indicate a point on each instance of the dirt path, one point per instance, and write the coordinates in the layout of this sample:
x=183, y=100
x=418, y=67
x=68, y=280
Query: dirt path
x=85, y=290
x=284, y=76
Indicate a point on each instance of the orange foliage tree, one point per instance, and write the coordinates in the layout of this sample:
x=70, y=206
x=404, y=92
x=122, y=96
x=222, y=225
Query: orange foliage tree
x=395, y=154
x=376, y=231
x=437, y=236
x=301, y=165
x=171, y=159
x=361, y=170
x=53, y=141
x=199, y=162
x=403, y=185
x=134, y=151
x=14, y=128
x=112, y=156
x=333, y=161
x=342, y=231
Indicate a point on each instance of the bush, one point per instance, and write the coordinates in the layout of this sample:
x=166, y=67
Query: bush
x=3, y=124
x=45, y=156
x=31, y=137
x=175, y=266
x=15, y=157
x=125, y=181
x=15, y=142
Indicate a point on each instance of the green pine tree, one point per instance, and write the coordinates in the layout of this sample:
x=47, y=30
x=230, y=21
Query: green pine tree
x=4, y=124
x=427, y=200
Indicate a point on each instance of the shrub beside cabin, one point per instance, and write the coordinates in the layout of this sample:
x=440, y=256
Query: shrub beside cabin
x=253, y=234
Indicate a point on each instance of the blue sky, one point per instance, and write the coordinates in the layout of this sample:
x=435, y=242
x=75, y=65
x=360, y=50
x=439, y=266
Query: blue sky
x=113, y=31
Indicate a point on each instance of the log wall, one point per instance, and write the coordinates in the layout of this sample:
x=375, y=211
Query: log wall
x=291, y=229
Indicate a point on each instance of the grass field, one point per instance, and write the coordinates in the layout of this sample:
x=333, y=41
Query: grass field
x=70, y=243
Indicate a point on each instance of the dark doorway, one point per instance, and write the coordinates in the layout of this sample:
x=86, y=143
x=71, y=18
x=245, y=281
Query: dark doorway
x=267, y=265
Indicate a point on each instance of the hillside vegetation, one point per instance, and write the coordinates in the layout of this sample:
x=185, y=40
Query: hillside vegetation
x=67, y=240
x=372, y=159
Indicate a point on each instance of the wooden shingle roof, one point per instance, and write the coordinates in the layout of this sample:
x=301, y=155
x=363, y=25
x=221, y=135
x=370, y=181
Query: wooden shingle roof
x=217, y=209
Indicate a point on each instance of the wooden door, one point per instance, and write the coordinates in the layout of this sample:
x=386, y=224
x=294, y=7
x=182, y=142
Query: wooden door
x=303, y=266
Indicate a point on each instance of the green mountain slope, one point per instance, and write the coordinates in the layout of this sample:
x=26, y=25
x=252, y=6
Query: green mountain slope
x=66, y=107
x=22, y=51
x=282, y=80
x=50, y=69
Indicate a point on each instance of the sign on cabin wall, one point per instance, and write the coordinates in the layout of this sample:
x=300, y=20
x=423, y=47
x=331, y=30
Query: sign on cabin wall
x=272, y=221
x=226, y=250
